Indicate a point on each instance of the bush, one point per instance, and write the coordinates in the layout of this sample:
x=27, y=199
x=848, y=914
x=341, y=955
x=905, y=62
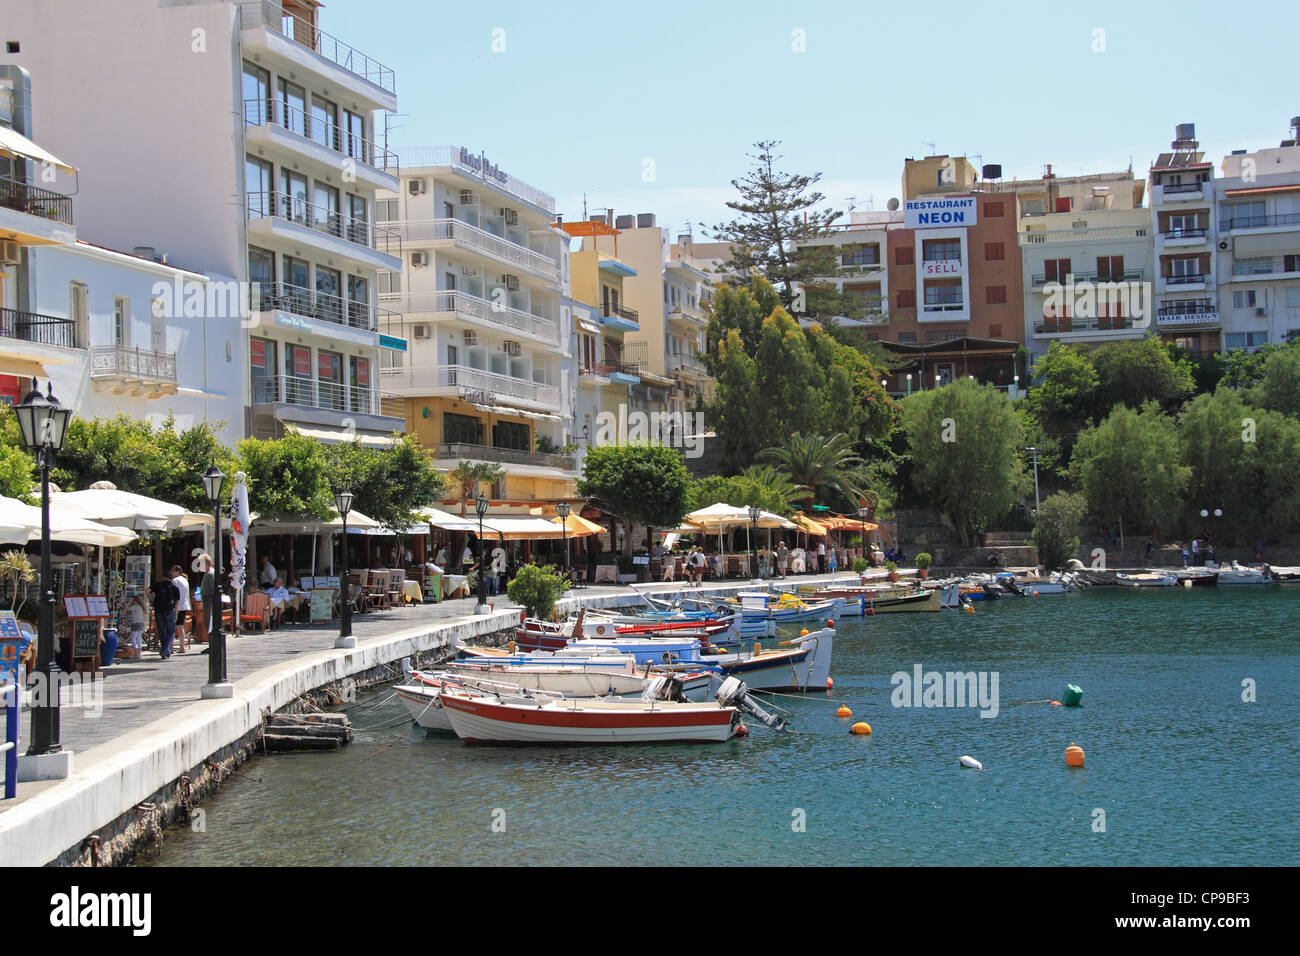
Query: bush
x=923, y=560
x=536, y=589
x=860, y=565
x=1055, y=535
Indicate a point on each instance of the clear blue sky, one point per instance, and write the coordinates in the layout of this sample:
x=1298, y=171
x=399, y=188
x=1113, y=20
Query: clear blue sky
x=585, y=93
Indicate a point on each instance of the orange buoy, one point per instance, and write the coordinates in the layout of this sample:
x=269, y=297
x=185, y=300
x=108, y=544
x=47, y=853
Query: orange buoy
x=1055, y=703
x=742, y=730
x=844, y=711
x=968, y=609
x=1074, y=755
x=1035, y=593
x=830, y=622
x=803, y=632
x=861, y=727
x=830, y=683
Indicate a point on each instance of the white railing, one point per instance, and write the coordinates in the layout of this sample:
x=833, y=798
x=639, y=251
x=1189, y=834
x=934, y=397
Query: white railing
x=451, y=156
x=490, y=384
x=1098, y=234
x=471, y=308
x=691, y=363
x=305, y=33
x=317, y=393
x=474, y=239
x=139, y=365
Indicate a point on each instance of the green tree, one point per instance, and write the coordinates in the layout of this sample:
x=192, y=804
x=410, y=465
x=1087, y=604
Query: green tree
x=1064, y=395
x=965, y=442
x=1243, y=369
x=1137, y=371
x=824, y=466
x=394, y=481
x=1279, y=388
x=778, y=484
x=467, y=476
x=740, y=491
x=288, y=478
x=17, y=468
x=1129, y=467
x=536, y=589
x=1056, y=528
x=641, y=483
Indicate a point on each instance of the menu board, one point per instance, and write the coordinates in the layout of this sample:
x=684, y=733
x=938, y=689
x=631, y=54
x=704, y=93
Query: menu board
x=322, y=605
x=75, y=606
x=97, y=605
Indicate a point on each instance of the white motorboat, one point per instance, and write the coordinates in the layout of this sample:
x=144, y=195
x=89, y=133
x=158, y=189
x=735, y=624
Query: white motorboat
x=1147, y=579
x=1242, y=574
x=806, y=665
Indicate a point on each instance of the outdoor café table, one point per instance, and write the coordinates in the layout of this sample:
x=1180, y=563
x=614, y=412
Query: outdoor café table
x=294, y=602
x=411, y=591
x=453, y=583
x=606, y=572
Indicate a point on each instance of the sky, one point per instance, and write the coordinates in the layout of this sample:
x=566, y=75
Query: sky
x=653, y=107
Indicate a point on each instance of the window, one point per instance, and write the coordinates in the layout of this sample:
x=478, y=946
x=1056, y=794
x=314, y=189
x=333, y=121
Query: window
x=1291, y=263
x=932, y=337
x=461, y=429
x=453, y=355
x=1056, y=270
x=943, y=295
x=904, y=256
x=296, y=272
x=257, y=95
x=79, y=312
x=262, y=366
x=329, y=373
x=387, y=210
x=1252, y=267
x=994, y=210
x=354, y=138
x=1110, y=268
x=293, y=199
x=995, y=331
x=1245, y=340
x=995, y=295
x=329, y=292
x=1293, y=296
x=1064, y=203
x=1242, y=215
x=359, y=382
x=1185, y=268
x=358, y=226
x=326, y=214
x=1184, y=225
x=868, y=255
x=359, y=303
x=511, y=435
x=1243, y=298
x=907, y=299
x=940, y=250
x=292, y=107
x=995, y=251
x=906, y=338
x=261, y=274
x=258, y=183
x=121, y=321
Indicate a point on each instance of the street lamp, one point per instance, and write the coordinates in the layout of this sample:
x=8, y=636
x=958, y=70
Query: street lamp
x=909, y=383
x=1033, y=452
x=218, y=685
x=562, y=509
x=343, y=502
x=481, y=506
x=862, y=516
x=44, y=422
x=754, y=512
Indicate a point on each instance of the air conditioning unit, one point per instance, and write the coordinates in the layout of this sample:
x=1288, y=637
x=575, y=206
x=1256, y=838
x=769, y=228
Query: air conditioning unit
x=10, y=253
x=419, y=331
x=512, y=217
x=510, y=282
x=416, y=187
x=1259, y=311
x=468, y=198
x=511, y=348
x=471, y=337
x=419, y=259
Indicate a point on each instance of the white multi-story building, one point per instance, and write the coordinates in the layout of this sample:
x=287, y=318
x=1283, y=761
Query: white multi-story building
x=1257, y=245
x=488, y=374
x=252, y=133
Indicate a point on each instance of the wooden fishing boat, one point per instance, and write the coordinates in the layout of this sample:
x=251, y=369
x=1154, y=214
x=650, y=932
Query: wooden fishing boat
x=1147, y=579
x=805, y=665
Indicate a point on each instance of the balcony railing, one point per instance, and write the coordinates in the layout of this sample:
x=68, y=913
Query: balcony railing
x=1189, y=307
x=1083, y=234
x=451, y=156
x=1231, y=223
x=598, y=369
x=471, y=308
x=1185, y=233
x=134, y=364
x=942, y=307
x=692, y=363
x=305, y=33
x=316, y=393
x=271, y=112
x=1185, y=279
x=41, y=329
x=475, y=239
x=16, y=194
x=1043, y=279
x=1182, y=187
x=278, y=205
x=490, y=384
x=1077, y=324
x=620, y=312
x=322, y=306
x=460, y=451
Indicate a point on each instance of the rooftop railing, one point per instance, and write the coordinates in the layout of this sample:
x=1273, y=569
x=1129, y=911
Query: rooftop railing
x=451, y=156
x=269, y=14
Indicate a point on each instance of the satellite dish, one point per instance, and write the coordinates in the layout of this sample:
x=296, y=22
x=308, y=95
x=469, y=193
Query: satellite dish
x=892, y=205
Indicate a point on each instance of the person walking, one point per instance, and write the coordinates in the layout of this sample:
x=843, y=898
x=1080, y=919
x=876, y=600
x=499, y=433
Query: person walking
x=821, y=556
x=165, y=597
x=1185, y=555
x=137, y=610
x=1196, y=552
x=782, y=558
x=183, y=605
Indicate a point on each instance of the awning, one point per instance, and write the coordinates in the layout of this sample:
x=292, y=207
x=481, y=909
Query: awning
x=591, y=327
x=336, y=436
x=505, y=410
x=806, y=524
x=1260, y=190
x=14, y=143
x=847, y=523
x=509, y=527
x=578, y=526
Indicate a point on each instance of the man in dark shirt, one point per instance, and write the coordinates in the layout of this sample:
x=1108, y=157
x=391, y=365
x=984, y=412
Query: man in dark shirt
x=165, y=596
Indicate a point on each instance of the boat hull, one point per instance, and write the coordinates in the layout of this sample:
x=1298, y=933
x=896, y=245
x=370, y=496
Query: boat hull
x=481, y=721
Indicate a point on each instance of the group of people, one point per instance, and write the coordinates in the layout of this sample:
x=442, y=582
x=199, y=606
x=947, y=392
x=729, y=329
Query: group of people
x=172, y=604
x=780, y=561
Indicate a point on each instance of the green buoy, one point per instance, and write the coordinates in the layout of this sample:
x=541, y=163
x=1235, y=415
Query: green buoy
x=1073, y=696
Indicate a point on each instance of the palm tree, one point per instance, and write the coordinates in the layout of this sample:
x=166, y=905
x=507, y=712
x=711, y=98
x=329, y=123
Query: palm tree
x=819, y=463
x=778, y=483
x=467, y=476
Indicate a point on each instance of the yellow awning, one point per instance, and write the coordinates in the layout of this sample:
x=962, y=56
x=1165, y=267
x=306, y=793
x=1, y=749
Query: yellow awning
x=808, y=525
x=579, y=527
x=14, y=143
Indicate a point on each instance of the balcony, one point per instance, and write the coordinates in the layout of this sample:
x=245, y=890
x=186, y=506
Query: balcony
x=302, y=42
x=33, y=215
x=620, y=317
x=463, y=162
x=334, y=314
x=127, y=369
x=1098, y=234
x=294, y=219
x=1039, y=281
x=461, y=451
x=1239, y=223
x=688, y=315
x=473, y=384
x=685, y=362
x=329, y=143
x=316, y=393
x=1048, y=327
x=1181, y=315
x=1180, y=192
x=1196, y=281
x=471, y=238
x=39, y=329
x=476, y=311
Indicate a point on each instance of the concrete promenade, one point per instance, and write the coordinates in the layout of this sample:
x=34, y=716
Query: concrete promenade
x=146, y=725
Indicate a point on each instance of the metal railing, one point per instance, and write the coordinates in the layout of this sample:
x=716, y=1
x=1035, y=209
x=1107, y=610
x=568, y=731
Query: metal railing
x=1185, y=279
x=1181, y=187
x=475, y=379
x=273, y=204
x=1189, y=307
x=451, y=156
x=688, y=313
x=315, y=393
x=1258, y=222
x=609, y=311
x=1042, y=279
x=472, y=308
x=453, y=451
x=41, y=329
x=322, y=306
x=327, y=133
x=267, y=13
x=35, y=201
x=1185, y=233
x=1092, y=324
x=692, y=363
x=475, y=239
x=135, y=364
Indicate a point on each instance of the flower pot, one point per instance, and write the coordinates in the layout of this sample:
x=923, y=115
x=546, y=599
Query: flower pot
x=923, y=572
x=893, y=575
x=108, y=647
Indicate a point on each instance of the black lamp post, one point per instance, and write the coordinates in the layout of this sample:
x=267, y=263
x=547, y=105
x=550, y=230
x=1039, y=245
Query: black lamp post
x=562, y=509
x=343, y=502
x=481, y=506
x=44, y=422
x=754, y=512
x=217, y=686
x=862, y=516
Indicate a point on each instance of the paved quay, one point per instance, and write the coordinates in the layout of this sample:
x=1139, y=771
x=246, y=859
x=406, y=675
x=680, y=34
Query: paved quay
x=145, y=726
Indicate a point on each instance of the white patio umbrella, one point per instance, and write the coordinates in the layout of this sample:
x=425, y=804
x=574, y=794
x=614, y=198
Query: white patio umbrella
x=720, y=516
x=105, y=503
x=21, y=523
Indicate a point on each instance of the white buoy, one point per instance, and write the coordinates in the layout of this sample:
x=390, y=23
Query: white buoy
x=968, y=761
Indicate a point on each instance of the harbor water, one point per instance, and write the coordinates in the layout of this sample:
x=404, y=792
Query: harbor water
x=1180, y=769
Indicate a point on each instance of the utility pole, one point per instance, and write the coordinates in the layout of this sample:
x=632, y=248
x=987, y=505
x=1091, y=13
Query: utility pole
x=1033, y=453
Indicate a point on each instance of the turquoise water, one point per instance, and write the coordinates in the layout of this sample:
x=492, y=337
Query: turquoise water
x=1186, y=772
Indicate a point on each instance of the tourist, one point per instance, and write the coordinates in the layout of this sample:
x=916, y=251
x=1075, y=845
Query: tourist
x=1185, y=555
x=821, y=556
x=268, y=574
x=280, y=597
x=183, y=606
x=1196, y=551
x=831, y=562
x=467, y=558
x=782, y=558
x=137, y=611
x=165, y=597
x=441, y=558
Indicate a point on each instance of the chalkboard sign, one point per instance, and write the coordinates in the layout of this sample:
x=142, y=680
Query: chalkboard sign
x=85, y=637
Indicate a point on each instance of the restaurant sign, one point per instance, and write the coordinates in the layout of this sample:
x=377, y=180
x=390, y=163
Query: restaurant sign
x=931, y=213
x=481, y=165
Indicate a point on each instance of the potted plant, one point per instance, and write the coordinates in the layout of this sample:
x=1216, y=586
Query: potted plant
x=892, y=568
x=923, y=564
x=536, y=589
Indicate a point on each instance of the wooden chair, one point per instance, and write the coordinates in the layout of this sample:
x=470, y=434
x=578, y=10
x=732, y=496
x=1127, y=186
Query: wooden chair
x=257, y=611
x=377, y=590
x=397, y=588
x=356, y=592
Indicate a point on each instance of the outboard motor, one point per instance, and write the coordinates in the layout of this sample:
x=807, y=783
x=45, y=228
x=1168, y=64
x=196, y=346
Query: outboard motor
x=734, y=693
